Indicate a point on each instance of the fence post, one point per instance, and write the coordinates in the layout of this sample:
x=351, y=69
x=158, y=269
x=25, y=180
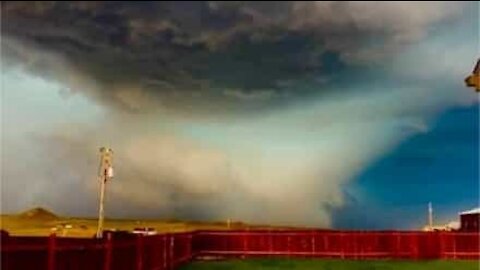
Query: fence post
x=397, y=247
x=139, y=257
x=342, y=241
x=5, y=258
x=440, y=241
x=414, y=242
x=168, y=258
x=159, y=252
x=270, y=242
x=107, y=262
x=314, y=249
x=455, y=246
x=164, y=251
x=189, y=247
x=244, y=242
x=325, y=246
x=352, y=247
x=51, y=251
x=171, y=247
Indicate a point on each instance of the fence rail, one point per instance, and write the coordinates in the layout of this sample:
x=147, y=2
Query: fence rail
x=168, y=251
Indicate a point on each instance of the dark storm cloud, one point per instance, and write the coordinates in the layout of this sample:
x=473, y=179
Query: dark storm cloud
x=146, y=55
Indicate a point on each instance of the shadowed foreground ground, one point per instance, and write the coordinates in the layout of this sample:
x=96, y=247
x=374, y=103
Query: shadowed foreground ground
x=280, y=264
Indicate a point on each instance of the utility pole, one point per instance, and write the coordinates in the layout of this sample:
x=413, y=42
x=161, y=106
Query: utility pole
x=430, y=216
x=105, y=172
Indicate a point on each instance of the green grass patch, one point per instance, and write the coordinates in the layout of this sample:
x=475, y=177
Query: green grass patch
x=320, y=264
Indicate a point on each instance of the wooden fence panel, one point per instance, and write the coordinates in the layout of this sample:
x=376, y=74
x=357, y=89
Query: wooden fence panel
x=168, y=251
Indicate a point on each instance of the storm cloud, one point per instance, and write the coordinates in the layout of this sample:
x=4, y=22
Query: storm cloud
x=208, y=56
x=253, y=111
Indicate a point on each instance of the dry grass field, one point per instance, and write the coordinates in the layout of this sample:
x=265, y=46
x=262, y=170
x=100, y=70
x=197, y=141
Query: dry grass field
x=41, y=222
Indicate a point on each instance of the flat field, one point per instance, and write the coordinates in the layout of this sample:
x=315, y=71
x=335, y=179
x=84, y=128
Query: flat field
x=39, y=223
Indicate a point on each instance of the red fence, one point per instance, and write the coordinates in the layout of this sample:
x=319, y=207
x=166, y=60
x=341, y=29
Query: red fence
x=168, y=251
x=134, y=252
x=339, y=244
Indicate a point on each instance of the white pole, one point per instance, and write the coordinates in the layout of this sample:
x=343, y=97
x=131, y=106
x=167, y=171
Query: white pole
x=101, y=213
x=105, y=173
x=430, y=216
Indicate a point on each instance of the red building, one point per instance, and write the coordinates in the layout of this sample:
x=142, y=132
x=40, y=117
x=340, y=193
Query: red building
x=470, y=220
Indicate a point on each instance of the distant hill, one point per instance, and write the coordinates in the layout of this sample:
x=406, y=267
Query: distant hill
x=38, y=213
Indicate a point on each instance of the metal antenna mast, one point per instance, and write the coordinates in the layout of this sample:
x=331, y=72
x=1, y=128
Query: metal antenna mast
x=105, y=172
